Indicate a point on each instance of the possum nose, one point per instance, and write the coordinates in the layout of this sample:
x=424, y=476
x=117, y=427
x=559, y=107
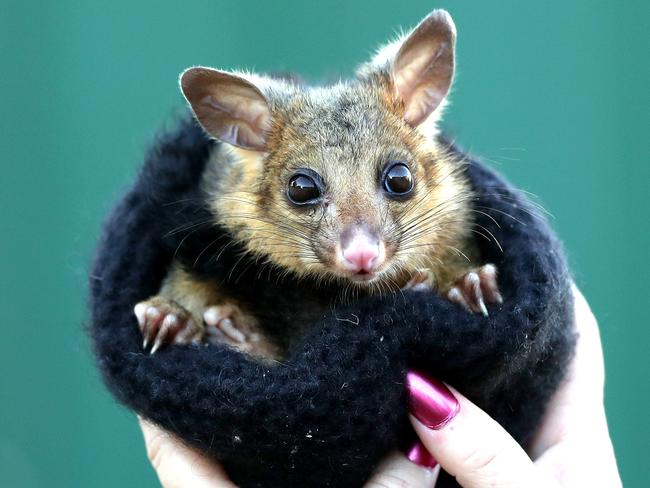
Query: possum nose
x=362, y=253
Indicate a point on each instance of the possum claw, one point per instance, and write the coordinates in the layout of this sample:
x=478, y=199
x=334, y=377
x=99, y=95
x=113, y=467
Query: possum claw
x=422, y=280
x=475, y=288
x=222, y=321
x=163, y=321
x=489, y=286
x=228, y=324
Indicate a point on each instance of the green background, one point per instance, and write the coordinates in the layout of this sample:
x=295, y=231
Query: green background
x=554, y=93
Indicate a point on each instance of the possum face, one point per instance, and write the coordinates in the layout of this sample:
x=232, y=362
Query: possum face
x=342, y=181
x=358, y=191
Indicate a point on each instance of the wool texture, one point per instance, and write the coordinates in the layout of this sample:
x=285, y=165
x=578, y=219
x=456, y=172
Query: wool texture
x=337, y=404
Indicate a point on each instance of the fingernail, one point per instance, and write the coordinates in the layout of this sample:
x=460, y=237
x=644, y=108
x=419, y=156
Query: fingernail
x=430, y=401
x=419, y=455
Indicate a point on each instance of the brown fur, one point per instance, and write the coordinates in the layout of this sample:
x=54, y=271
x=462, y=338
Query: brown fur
x=348, y=134
x=248, y=194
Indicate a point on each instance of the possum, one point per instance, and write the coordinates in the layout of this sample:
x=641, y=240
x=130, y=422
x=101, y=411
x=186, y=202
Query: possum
x=346, y=188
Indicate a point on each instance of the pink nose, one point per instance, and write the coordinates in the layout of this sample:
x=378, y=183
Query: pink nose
x=362, y=254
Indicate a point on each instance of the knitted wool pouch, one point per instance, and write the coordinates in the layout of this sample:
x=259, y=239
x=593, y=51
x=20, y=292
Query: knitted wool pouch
x=336, y=405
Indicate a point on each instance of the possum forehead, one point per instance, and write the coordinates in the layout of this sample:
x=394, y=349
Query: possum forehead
x=339, y=132
x=343, y=116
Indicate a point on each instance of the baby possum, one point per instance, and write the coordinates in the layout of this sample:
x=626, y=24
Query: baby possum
x=341, y=186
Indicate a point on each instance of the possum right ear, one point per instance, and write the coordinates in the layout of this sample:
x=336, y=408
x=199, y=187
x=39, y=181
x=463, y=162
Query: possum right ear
x=228, y=107
x=423, y=68
x=420, y=66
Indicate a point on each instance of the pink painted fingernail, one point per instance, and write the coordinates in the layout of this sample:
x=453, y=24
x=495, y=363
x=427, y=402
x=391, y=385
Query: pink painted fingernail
x=430, y=401
x=419, y=455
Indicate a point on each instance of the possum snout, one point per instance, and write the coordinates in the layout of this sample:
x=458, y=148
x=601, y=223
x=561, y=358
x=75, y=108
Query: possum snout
x=361, y=251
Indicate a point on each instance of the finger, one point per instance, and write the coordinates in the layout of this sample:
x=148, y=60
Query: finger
x=179, y=466
x=398, y=471
x=467, y=443
x=577, y=408
x=589, y=366
x=586, y=460
x=574, y=442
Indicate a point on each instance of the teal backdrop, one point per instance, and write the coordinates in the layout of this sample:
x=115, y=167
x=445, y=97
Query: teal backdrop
x=552, y=93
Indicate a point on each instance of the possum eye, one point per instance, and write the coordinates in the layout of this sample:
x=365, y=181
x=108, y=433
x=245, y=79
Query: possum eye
x=303, y=189
x=398, y=180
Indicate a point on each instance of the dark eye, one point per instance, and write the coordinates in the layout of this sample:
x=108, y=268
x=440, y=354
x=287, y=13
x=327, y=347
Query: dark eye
x=303, y=189
x=398, y=180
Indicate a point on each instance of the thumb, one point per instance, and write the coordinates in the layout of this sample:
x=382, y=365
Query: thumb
x=178, y=465
x=466, y=442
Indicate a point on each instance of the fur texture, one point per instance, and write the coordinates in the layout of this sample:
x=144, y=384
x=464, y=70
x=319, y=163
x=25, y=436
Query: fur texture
x=347, y=133
x=337, y=404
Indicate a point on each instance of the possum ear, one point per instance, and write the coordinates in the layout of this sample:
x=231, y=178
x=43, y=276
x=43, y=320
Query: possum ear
x=228, y=107
x=423, y=68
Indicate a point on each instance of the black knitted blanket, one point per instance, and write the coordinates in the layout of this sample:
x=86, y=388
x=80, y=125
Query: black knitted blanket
x=328, y=413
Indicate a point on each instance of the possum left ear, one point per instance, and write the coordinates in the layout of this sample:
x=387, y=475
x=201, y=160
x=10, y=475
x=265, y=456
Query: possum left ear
x=228, y=107
x=423, y=68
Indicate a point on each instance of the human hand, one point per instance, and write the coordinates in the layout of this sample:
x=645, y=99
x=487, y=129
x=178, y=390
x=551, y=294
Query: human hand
x=572, y=447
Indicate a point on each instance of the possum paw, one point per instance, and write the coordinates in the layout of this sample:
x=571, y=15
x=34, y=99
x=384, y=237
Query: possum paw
x=475, y=288
x=422, y=280
x=163, y=321
x=227, y=324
